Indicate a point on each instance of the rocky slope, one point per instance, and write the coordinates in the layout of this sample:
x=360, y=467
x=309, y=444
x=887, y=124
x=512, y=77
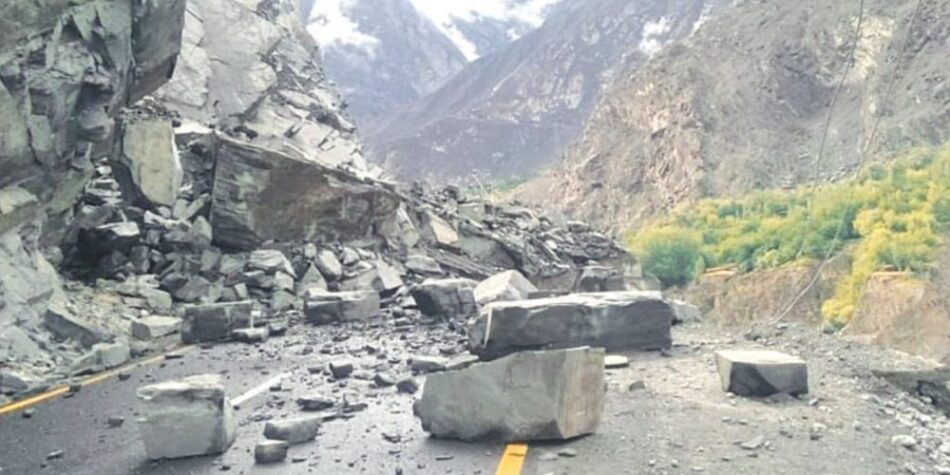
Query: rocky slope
x=251, y=69
x=66, y=70
x=238, y=184
x=742, y=103
x=386, y=54
x=511, y=113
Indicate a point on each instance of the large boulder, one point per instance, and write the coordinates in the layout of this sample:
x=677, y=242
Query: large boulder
x=558, y=395
x=322, y=308
x=186, y=418
x=599, y=279
x=760, y=373
x=446, y=298
x=382, y=278
x=214, y=322
x=261, y=194
x=151, y=162
x=502, y=287
x=616, y=321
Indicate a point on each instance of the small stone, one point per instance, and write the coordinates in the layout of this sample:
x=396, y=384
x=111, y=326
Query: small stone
x=637, y=385
x=616, y=361
x=270, y=451
x=341, y=369
x=384, y=380
x=407, y=386
x=114, y=422
x=567, y=453
x=547, y=457
x=56, y=454
x=904, y=440
x=27, y=414
x=753, y=444
x=315, y=402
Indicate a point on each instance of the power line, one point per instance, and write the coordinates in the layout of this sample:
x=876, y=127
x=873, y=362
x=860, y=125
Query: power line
x=863, y=154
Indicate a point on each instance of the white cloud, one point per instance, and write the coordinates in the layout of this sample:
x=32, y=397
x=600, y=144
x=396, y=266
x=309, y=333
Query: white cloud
x=445, y=14
x=329, y=24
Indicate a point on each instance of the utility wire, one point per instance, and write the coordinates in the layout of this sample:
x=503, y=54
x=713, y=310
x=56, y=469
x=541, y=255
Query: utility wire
x=863, y=155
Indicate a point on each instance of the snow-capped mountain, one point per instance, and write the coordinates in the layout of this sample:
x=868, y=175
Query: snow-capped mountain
x=387, y=53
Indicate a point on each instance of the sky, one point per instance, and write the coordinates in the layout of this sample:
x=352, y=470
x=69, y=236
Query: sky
x=336, y=27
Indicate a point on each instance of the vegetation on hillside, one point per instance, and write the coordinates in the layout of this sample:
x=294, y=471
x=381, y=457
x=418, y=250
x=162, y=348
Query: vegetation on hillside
x=891, y=218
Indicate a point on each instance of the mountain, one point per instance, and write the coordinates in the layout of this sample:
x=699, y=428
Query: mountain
x=742, y=104
x=515, y=111
x=384, y=54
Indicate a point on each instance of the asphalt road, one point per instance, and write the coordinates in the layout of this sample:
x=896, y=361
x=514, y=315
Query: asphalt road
x=675, y=420
x=77, y=425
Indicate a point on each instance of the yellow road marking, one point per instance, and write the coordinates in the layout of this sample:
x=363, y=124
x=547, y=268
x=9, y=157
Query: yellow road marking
x=512, y=460
x=59, y=391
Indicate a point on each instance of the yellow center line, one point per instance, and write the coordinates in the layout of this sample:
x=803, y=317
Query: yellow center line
x=512, y=460
x=61, y=390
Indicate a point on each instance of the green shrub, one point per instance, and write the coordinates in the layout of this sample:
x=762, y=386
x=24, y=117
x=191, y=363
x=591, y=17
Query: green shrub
x=670, y=254
x=890, y=218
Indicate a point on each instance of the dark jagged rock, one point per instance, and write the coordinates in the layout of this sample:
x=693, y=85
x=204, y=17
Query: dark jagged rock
x=293, y=200
x=612, y=320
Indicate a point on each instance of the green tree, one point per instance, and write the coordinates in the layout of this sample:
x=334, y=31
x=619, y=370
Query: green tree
x=670, y=254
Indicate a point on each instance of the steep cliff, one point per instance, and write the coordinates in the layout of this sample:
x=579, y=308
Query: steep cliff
x=742, y=103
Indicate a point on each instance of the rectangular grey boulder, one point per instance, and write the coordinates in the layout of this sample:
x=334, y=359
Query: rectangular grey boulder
x=150, y=328
x=505, y=286
x=215, y=322
x=558, y=395
x=759, y=373
x=185, y=418
x=616, y=321
x=64, y=325
x=322, y=308
x=261, y=194
x=446, y=298
x=151, y=161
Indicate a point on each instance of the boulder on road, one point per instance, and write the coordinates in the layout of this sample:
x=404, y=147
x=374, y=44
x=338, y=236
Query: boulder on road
x=322, y=308
x=559, y=395
x=150, y=328
x=760, y=373
x=503, y=287
x=617, y=321
x=186, y=418
x=294, y=431
x=215, y=322
x=270, y=451
x=446, y=298
x=685, y=313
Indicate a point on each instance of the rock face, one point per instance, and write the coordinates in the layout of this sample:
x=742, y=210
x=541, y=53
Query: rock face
x=186, y=418
x=252, y=69
x=615, y=321
x=262, y=194
x=118, y=54
x=559, y=395
x=505, y=286
x=761, y=373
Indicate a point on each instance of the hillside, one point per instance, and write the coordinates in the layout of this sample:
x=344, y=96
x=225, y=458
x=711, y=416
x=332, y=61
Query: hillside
x=514, y=112
x=742, y=103
x=885, y=235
